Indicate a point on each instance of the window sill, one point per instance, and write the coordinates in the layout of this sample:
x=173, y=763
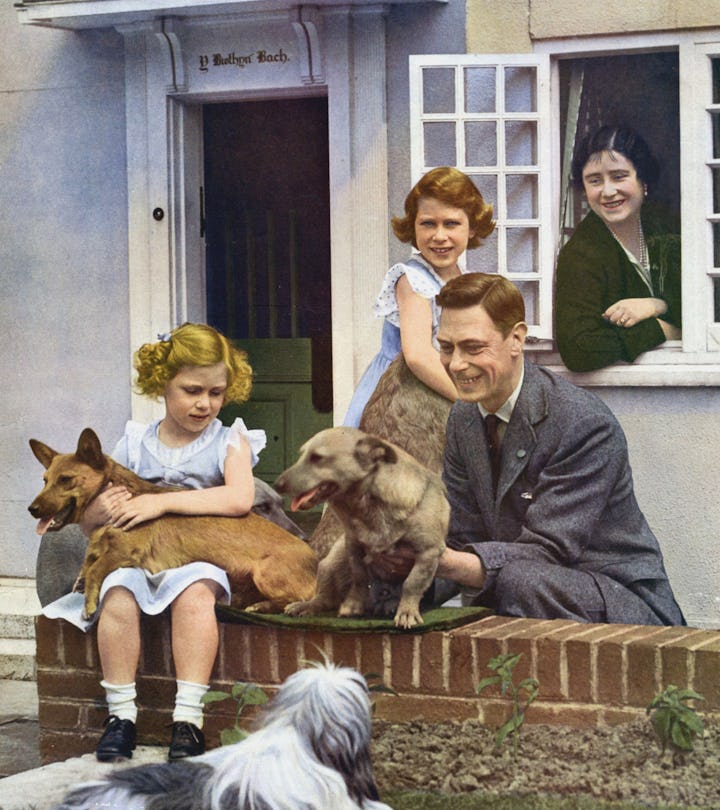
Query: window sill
x=668, y=367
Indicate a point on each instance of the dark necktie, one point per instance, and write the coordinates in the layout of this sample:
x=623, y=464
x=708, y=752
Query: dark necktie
x=493, y=439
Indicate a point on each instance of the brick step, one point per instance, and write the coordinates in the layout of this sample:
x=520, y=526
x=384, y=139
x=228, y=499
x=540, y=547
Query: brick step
x=17, y=659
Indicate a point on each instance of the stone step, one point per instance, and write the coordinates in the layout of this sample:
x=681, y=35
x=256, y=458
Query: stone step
x=19, y=627
x=17, y=659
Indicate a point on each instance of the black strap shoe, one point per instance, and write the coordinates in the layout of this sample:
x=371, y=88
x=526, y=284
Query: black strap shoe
x=117, y=741
x=187, y=741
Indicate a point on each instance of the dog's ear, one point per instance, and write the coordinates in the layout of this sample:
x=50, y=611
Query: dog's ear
x=89, y=450
x=370, y=450
x=42, y=452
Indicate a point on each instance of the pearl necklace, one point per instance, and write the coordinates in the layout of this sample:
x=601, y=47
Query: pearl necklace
x=642, y=245
x=642, y=259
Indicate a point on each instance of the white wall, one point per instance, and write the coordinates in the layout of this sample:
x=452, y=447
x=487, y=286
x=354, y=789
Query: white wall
x=63, y=257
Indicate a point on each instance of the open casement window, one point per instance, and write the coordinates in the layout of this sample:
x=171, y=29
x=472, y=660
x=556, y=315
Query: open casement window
x=489, y=117
x=511, y=121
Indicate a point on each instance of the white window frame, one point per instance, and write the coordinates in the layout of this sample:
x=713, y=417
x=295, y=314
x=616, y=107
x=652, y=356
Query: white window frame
x=694, y=361
x=540, y=333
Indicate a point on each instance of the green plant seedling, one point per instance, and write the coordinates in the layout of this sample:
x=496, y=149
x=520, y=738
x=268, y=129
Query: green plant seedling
x=244, y=694
x=675, y=724
x=503, y=666
x=377, y=687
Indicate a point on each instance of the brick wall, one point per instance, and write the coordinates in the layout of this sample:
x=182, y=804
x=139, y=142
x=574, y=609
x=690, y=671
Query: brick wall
x=589, y=674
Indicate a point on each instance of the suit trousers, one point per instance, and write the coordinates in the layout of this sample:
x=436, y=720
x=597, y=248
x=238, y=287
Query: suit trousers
x=539, y=590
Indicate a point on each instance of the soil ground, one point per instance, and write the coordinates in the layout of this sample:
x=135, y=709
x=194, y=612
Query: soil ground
x=620, y=764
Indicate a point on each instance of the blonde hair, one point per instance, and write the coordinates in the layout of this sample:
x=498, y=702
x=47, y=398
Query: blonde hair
x=192, y=344
x=452, y=187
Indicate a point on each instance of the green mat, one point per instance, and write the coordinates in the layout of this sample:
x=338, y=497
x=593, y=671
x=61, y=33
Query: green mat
x=442, y=618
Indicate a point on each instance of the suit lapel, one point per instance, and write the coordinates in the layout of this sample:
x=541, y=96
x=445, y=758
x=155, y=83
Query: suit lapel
x=520, y=437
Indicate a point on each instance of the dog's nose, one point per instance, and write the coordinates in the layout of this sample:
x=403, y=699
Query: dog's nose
x=280, y=484
x=34, y=511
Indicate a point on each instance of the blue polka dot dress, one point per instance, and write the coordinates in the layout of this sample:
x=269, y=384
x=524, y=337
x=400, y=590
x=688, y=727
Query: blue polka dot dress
x=426, y=283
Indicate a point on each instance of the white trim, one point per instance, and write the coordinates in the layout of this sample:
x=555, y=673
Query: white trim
x=695, y=361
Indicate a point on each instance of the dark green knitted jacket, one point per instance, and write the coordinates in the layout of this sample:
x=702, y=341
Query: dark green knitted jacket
x=594, y=272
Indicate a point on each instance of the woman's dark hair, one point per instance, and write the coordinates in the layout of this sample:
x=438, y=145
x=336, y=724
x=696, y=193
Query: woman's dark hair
x=622, y=140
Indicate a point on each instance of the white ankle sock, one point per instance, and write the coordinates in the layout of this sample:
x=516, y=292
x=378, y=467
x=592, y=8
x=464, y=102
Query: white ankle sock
x=188, y=703
x=121, y=700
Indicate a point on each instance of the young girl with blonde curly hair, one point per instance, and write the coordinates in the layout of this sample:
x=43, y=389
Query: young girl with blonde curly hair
x=195, y=370
x=445, y=215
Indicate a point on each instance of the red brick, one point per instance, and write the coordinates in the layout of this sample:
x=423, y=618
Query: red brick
x=61, y=683
x=372, y=655
x=290, y=653
x=264, y=650
x=75, y=647
x=405, y=650
x=404, y=708
x=707, y=674
x=47, y=641
x=238, y=651
x=558, y=714
x=316, y=646
x=346, y=650
x=463, y=676
x=618, y=717
x=432, y=662
x=59, y=715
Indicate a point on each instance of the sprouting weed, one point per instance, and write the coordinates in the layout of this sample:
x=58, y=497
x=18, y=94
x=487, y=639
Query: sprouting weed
x=675, y=724
x=377, y=687
x=503, y=666
x=244, y=694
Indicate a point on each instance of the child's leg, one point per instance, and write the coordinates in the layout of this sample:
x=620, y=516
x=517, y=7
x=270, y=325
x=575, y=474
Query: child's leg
x=118, y=637
x=194, y=636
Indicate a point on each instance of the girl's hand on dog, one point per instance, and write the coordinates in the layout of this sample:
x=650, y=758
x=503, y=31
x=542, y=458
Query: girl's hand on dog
x=129, y=512
x=100, y=511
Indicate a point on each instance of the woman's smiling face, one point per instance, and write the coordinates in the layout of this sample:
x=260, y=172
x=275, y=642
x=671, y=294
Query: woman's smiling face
x=614, y=191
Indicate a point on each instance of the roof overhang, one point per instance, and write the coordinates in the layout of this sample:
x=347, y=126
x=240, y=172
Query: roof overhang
x=79, y=14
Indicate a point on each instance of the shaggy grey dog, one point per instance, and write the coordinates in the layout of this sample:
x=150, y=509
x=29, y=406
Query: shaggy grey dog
x=312, y=752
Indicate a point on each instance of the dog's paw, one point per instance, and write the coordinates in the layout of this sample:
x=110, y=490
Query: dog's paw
x=352, y=607
x=406, y=617
x=299, y=609
x=79, y=585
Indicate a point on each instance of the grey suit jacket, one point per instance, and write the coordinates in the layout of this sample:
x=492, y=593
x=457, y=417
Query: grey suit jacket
x=565, y=493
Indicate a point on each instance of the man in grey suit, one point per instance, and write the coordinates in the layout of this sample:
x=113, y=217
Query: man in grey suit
x=558, y=532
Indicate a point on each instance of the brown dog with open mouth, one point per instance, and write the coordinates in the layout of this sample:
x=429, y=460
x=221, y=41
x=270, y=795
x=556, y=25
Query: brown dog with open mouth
x=268, y=568
x=383, y=498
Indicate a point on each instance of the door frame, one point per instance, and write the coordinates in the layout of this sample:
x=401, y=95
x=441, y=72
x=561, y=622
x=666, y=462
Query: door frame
x=164, y=149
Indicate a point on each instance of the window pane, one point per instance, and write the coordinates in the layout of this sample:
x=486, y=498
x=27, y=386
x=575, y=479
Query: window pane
x=440, y=144
x=716, y=190
x=715, y=81
x=484, y=259
x=716, y=300
x=520, y=143
x=481, y=143
x=520, y=86
x=438, y=90
x=522, y=246
x=716, y=244
x=529, y=290
x=716, y=135
x=480, y=90
x=487, y=185
x=521, y=195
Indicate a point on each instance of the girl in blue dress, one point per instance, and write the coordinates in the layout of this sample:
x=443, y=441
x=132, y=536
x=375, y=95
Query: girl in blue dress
x=196, y=371
x=445, y=215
